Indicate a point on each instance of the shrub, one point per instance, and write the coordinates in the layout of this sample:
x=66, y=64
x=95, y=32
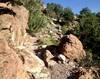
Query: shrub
x=54, y=10
x=62, y=15
x=68, y=15
x=37, y=21
x=89, y=30
x=31, y=4
x=88, y=61
x=36, y=18
x=91, y=60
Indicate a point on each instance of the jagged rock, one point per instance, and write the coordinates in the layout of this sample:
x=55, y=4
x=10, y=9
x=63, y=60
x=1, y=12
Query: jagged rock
x=20, y=62
x=34, y=65
x=10, y=65
x=5, y=5
x=48, y=58
x=15, y=25
x=22, y=14
x=61, y=71
x=71, y=47
x=58, y=70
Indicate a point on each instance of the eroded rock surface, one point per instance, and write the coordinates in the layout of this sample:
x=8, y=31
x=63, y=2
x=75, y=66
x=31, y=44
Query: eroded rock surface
x=10, y=65
x=14, y=25
x=17, y=58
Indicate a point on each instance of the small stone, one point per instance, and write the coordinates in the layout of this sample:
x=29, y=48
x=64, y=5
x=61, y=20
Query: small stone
x=62, y=58
x=48, y=57
x=44, y=46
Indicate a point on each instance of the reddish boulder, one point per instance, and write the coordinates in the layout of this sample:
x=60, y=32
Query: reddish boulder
x=72, y=47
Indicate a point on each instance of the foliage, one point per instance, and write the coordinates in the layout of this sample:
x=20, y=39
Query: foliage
x=31, y=4
x=98, y=16
x=37, y=21
x=90, y=60
x=68, y=15
x=89, y=30
x=56, y=11
x=85, y=10
x=64, y=29
x=49, y=40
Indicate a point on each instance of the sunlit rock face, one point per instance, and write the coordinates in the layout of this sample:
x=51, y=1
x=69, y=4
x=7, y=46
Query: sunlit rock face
x=13, y=23
x=17, y=58
x=11, y=66
x=72, y=47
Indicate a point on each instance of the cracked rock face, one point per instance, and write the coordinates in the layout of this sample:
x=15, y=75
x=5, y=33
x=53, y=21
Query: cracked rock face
x=17, y=61
x=10, y=64
x=13, y=25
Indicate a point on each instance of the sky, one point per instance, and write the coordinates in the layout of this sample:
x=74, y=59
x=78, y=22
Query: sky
x=77, y=5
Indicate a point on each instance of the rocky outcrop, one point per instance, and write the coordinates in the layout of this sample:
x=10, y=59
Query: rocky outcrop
x=48, y=58
x=60, y=70
x=58, y=65
x=10, y=65
x=13, y=26
x=34, y=65
x=17, y=58
x=71, y=47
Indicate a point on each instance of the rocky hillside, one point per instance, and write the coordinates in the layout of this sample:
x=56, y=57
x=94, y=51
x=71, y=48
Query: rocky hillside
x=21, y=56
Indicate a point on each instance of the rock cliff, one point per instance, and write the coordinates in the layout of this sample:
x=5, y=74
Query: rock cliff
x=19, y=61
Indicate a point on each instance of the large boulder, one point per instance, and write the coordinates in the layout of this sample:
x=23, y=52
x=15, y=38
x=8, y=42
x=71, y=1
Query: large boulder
x=72, y=47
x=13, y=23
x=17, y=60
x=10, y=64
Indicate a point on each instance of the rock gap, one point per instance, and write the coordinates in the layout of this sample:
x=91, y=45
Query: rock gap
x=6, y=11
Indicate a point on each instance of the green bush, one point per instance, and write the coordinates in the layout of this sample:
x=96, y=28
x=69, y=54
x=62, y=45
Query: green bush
x=54, y=10
x=31, y=4
x=91, y=60
x=58, y=12
x=68, y=15
x=88, y=61
x=89, y=30
x=49, y=41
x=37, y=21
